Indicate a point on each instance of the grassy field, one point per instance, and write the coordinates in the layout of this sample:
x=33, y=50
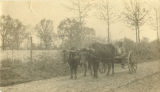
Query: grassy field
x=24, y=55
x=16, y=66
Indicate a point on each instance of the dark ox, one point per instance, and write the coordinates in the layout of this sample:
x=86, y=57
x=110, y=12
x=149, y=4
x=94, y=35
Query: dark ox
x=85, y=60
x=103, y=53
x=73, y=59
x=91, y=58
x=96, y=54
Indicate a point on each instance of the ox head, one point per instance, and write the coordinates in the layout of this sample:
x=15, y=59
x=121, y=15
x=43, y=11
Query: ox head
x=65, y=55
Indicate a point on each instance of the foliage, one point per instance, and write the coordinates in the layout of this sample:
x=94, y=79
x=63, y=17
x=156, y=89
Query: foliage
x=69, y=31
x=126, y=43
x=47, y=63
x=18, y=34
x=6, y=24
x=155, y=49
x=88, y=36
x=45, y=32
x=8, y=62
x=12, y=32
x=142, y=51
x=44, y=66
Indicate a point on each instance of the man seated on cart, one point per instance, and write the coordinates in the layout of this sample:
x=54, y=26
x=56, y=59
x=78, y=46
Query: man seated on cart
x=121, y=55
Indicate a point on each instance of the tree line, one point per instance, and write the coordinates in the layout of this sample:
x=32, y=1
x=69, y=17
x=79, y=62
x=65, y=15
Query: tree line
x=73, y=32
x=13, y=33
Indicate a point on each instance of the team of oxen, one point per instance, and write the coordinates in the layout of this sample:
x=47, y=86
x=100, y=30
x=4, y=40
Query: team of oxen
x=91, y=58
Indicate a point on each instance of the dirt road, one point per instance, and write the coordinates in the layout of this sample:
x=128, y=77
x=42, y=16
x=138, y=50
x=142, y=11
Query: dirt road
x=87, y=84
x=149, y=83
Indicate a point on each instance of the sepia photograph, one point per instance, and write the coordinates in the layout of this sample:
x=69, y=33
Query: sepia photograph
x=79, y=45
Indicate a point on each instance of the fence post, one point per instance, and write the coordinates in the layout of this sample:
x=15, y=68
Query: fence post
x=31, y=49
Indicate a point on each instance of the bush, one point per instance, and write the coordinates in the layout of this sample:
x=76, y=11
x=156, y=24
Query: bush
x=155, y=49
x=46, y=65
x=142, y=51
x=7, y=62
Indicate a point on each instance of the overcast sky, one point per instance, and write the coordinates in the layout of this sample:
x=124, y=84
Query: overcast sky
x=31, y=12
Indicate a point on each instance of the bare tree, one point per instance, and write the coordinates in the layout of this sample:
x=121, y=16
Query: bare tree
x=45, y=32
x=157, y=19
x=81, y=9
x=106, y=14
x=135, y=15
x=155, y=16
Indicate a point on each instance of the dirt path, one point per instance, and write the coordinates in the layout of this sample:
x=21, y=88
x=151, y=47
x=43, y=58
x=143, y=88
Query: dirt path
x=86, y=84
x=147, y=84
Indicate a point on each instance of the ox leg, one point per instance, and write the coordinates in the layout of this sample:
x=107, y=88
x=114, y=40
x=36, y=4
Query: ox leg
x=71, y=69
x=90, y=67
x=105, y=67
x=109, y=68
x=85, y=69
x=97, y=67
x=75, y=72
x=112, y=68
x=94, y=70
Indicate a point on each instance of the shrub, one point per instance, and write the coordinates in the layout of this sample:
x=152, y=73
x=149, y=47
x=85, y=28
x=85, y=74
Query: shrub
x=46, y=65
x=155, y=49
x=8, y=62
x=141, y=51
